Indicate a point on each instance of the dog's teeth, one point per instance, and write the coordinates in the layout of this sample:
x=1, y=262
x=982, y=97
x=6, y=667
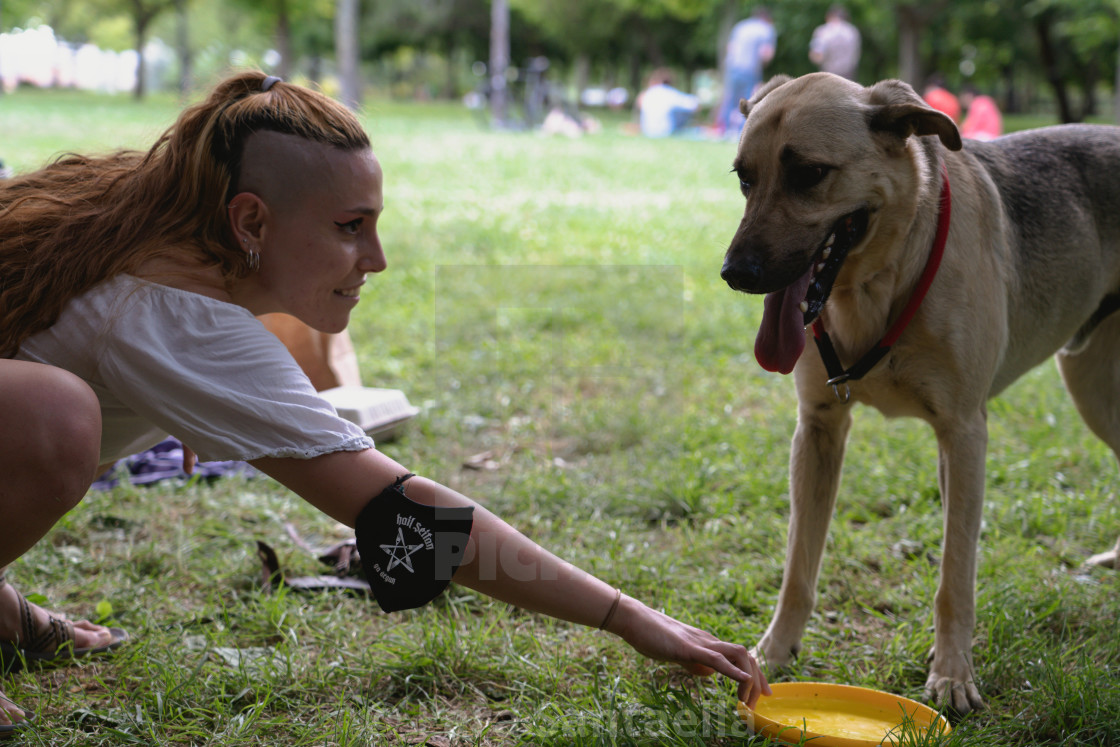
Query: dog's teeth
x=827, y=251
x=829, y=243
x=820, y=267
x=804, y=306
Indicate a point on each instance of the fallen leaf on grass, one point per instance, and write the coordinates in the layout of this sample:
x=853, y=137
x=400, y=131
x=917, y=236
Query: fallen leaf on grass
x=484, y=460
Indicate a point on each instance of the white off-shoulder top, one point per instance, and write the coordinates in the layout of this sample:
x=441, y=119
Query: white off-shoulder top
x=168, y=361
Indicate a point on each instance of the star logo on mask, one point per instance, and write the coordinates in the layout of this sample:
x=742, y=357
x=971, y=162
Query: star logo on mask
x=401, y=552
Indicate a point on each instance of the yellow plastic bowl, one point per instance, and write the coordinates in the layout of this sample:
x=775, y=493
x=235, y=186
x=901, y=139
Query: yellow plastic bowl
x=839, y=715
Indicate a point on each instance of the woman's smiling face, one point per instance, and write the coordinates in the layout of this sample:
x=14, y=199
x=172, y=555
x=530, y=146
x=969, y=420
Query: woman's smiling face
x=316, y=231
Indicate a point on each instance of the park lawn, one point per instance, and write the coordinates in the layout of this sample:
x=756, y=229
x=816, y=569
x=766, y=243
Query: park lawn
x=555, y=305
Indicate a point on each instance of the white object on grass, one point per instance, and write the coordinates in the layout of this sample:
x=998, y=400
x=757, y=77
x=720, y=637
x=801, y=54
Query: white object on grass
x=379, y=412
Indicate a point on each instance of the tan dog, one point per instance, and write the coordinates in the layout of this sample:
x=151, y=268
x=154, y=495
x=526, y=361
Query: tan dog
x=843, y=186
x=328, y=360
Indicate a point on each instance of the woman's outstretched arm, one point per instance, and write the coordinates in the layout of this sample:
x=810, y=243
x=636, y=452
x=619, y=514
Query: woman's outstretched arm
x=503, y=563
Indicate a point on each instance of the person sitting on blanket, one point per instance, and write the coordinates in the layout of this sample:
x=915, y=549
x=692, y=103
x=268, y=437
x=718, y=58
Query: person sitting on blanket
x=129, y=285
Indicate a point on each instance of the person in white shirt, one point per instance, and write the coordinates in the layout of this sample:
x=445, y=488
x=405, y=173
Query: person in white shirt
x=662, y=109
x=129, y=290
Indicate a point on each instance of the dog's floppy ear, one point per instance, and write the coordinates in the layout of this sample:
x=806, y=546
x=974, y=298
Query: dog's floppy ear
x=770, y=85
x=896, y=108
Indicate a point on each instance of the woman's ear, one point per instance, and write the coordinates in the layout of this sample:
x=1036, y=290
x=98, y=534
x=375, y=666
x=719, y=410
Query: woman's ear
x=247, y=213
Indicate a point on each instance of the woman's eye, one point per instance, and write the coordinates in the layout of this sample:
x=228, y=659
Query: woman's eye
x=350, y=226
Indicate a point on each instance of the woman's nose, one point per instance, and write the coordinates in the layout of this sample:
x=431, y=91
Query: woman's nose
x=373, y=259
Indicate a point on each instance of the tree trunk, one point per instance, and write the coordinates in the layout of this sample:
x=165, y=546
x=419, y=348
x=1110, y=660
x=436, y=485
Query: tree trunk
x=284, y=40
x=634, y=71
x=315, y=68
x=910, y=26
x=346, y=50
x=2, y=28
x=1050, y=65
x=450, y=72
x=499, y=60
x=729, y=16
x=182, y=43
x=582, y=74
x=653, y=51
x=1089, y=77
x=1116, y=92
x=1011, y=97
x=141, y=19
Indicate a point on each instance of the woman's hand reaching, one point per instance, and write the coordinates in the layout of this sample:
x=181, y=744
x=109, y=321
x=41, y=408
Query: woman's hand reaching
x=658, y=636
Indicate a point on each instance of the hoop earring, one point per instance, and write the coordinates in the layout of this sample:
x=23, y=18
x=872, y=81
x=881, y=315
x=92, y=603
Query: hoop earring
x=254, y=260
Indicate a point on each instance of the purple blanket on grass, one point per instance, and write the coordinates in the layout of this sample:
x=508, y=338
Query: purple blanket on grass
x=164, y=461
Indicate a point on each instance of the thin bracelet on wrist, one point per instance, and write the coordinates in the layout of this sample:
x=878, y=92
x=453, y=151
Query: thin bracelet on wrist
x=612, y=610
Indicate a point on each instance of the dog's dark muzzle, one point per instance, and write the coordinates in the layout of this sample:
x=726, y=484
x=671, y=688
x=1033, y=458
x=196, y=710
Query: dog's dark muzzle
x=751, y=275
x=742, y=275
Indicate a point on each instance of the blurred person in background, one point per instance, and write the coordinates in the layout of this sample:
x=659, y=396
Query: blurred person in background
x=937, y=95
x=982, y=119
x=750, y=48
x=835, y=46
x=662, y=109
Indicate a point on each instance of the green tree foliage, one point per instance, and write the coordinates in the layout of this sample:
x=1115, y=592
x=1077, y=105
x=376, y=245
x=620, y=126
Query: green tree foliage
x=1024, y=51
x=1077, y=47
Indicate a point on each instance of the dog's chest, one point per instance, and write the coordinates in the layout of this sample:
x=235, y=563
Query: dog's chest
x=895, y=406
x=892, y=395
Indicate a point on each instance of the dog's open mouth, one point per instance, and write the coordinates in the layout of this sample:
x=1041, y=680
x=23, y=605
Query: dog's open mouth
x=787, y=312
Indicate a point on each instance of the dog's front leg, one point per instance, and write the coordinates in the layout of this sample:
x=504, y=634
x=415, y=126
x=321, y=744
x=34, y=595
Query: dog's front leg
x=960, y=471
x=815, y=463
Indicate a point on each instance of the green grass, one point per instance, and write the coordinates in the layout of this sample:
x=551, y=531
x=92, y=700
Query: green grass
x=558, y=303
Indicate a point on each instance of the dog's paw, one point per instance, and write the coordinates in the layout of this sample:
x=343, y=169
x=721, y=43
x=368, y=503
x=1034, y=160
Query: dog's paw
x=959, y=696
x=1105, y=559
x=1109, y=559
x=770, y=655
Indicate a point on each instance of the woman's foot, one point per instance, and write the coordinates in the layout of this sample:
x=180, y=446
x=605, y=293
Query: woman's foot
x=11, y=715
x=39, y=635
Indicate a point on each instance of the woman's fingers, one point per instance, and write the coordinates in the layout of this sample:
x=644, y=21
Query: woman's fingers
x=190, y=459
x=736, y=662
x=660, y=636
x=729, y=659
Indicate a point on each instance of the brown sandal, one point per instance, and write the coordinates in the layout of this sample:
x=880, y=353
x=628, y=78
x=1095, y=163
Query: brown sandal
x=48, y=643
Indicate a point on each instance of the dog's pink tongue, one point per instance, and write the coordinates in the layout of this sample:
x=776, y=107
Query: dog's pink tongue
x=781, y=338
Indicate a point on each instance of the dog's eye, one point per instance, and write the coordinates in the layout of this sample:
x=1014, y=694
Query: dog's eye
x=744, y=182
x=808, y=176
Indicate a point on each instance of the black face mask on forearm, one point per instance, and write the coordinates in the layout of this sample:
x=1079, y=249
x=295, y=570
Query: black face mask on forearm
x=410, y=550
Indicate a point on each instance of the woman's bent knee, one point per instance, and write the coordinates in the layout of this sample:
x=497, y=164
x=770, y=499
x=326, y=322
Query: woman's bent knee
x=50, y=429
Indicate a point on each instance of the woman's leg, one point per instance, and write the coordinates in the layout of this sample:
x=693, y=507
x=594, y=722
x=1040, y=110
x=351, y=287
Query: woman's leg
x=50, y=439
x=50, y=436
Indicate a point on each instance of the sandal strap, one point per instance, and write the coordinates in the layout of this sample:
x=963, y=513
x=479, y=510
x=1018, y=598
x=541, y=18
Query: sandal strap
x=45, y=639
